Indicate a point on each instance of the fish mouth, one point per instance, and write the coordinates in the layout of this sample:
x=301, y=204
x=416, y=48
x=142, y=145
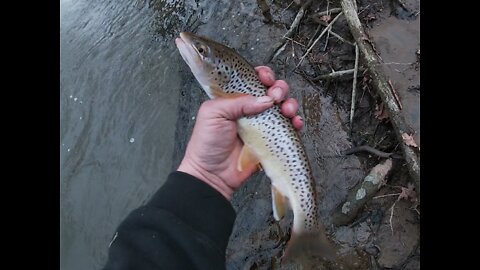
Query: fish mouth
x=182, y=40
x=186, y=49
x=191, y=56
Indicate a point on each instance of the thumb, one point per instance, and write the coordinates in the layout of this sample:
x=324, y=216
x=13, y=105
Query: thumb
x=235, y=108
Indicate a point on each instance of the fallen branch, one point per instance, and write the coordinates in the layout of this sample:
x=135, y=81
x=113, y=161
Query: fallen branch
x=329, y=26
x=327, y=12
x=380, y=84
x=370, y=150
x=361, y=194
x=280, y=44
x=340, y=38
x=354, y=87
x=334, y=75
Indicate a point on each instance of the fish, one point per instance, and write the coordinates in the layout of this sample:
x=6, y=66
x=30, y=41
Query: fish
x=269, y=139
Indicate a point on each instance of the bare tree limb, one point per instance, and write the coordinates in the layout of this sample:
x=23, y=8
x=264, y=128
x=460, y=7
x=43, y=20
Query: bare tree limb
x=382, y=87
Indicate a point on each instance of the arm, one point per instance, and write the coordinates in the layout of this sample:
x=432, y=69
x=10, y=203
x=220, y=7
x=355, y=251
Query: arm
x=187, y=223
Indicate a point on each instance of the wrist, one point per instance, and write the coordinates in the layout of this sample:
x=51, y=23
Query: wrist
x=214, y=181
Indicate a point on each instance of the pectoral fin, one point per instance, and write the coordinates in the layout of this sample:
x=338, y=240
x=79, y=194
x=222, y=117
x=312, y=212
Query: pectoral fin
x=246, y=159
x=279, y=204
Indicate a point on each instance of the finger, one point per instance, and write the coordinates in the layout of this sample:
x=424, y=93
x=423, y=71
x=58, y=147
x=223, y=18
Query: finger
x=279, y=91
x=289, y=108
x=266, y=75
x=235, y=108
x=297, y=122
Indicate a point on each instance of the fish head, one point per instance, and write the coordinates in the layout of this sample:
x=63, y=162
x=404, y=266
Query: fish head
x=213, y=64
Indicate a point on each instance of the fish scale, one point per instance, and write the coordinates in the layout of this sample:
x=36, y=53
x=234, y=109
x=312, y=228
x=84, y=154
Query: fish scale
x=269, y=136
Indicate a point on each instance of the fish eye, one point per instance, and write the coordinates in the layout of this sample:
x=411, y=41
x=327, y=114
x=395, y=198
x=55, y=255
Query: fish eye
x=202, y=49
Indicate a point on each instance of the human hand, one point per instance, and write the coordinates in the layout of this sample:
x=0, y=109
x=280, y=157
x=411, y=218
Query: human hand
x=214, y=147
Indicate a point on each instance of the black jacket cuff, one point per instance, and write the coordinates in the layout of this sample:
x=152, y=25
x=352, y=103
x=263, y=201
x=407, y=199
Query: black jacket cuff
x=197, y=204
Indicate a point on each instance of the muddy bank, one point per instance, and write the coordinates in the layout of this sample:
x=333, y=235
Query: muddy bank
x=376, y=237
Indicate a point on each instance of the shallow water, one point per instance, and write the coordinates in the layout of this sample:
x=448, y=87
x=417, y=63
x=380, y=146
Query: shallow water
x=119, y=91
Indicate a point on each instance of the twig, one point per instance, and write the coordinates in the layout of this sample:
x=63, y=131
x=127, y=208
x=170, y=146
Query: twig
x=354, y=87
x=279, y=51
x=292, y=40
x=297, y=19
x=395, y=95
x=319, y=37
x=327, y=12
x=380, y=84
x=396, y=63
x=387, y=195
x=391, y=215
x=365, y=8
x=340, y=38
x=369, y=149
x=334, y=75
x=314, y=35
x=290, y=31
x=283, y=10
x=326, y=41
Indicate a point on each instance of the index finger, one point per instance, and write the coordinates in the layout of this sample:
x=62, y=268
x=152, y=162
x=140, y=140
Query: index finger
x=266, y=75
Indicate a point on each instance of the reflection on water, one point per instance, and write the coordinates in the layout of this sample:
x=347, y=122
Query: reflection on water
x=119, y=91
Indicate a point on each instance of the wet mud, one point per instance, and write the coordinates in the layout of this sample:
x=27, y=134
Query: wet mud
x=369, y=242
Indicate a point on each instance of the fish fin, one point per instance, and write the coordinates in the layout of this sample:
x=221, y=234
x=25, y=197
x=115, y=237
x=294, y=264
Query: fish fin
x=279, y=204
x=303, y=245
x=247, y=158
x=260, y=168
x=218, y=92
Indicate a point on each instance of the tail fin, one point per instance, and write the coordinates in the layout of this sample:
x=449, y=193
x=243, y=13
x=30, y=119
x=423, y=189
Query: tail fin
x=306, y=244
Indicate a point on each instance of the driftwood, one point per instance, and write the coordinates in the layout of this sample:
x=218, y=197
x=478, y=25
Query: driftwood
x=361, y=194
x=382, y=87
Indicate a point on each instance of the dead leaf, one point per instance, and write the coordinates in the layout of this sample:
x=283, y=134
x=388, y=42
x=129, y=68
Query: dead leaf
x=380, y=112
x=408, y=193
x=326, y=18
x=408, y=140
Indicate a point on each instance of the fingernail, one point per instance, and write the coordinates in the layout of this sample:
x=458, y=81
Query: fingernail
x=277, y=93
x=271, y=77
x=264, y=99
x=300, y=118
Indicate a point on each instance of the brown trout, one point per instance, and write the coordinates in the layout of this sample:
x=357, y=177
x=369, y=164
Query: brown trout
x=269, y=139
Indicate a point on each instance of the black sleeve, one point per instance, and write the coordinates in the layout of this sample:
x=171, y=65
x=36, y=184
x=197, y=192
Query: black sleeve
x=186, y=225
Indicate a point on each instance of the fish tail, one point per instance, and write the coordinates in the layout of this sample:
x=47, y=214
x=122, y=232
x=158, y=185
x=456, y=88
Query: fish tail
x=305, y=244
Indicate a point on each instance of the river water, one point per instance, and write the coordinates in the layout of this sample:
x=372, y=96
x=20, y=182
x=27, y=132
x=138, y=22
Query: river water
x=119, y=91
